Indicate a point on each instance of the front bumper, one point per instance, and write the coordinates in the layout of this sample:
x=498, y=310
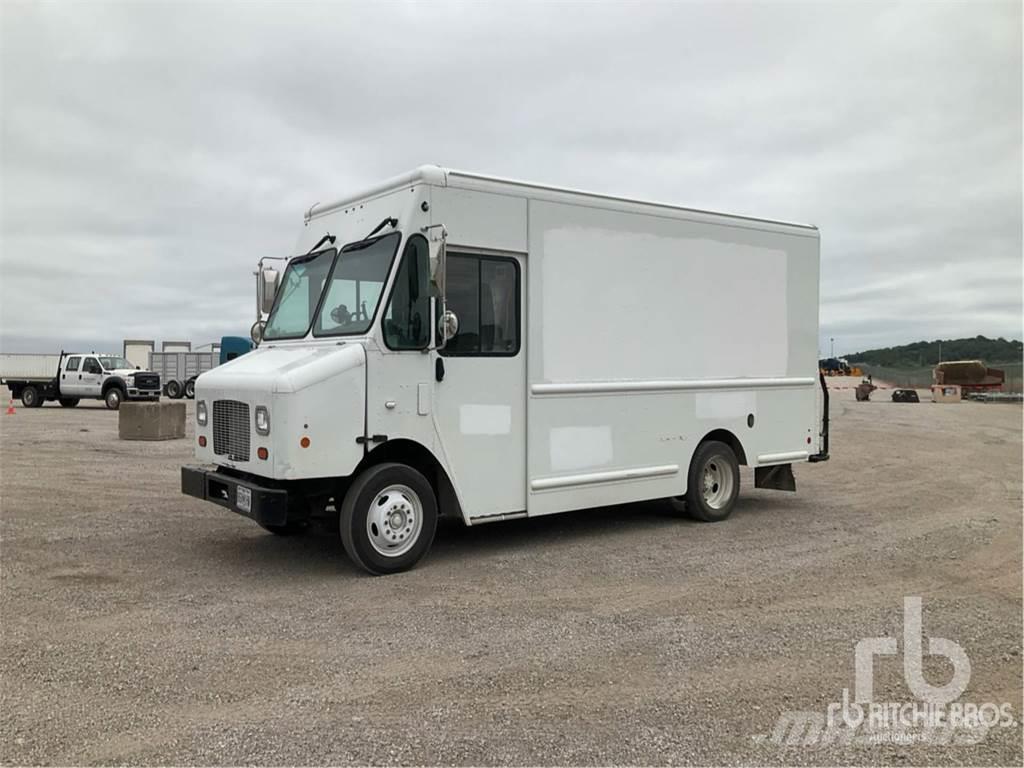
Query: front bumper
x=143, y=394
x=267, y=506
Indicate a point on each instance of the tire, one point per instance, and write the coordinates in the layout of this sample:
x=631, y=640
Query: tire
x=174, y=389
x=69, y=402
x=31, y=398
x=713, y=482
x=113, y=398
x=388, y=519
x=190, y=389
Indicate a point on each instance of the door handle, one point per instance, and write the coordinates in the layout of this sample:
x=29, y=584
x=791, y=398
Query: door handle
x=439, y=369
x=79, y=377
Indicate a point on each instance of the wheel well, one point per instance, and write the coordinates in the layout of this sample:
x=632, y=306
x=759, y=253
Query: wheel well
x=111, y=383
x=412, y=454
x=727, y=437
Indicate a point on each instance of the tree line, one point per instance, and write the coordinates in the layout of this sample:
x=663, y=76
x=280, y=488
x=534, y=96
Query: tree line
x=991, y=351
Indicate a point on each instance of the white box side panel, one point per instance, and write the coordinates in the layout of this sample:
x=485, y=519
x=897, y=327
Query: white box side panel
x=695, y=326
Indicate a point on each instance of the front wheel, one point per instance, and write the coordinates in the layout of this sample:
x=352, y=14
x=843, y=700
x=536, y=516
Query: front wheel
x=713, y=482
x=69, y=402
x=173, y=389
x=113, y=398
x=388, y=518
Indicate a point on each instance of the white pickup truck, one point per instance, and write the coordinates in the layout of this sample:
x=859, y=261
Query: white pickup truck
x=86, y=376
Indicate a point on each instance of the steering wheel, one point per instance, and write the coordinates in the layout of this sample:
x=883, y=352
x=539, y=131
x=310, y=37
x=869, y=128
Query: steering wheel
x=341, y=315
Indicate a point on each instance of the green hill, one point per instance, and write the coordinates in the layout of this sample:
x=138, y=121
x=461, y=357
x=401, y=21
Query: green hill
x=926, y=353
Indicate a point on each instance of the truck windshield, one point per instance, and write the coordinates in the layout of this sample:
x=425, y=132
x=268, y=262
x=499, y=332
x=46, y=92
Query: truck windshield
x=355, y=286
x=114, y=363
x=299, y=295
x=353, y=279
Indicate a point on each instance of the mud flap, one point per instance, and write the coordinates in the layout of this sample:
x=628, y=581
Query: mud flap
x=777, y=478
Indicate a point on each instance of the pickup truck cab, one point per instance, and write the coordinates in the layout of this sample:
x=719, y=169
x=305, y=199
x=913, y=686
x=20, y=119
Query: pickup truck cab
x=88, y=376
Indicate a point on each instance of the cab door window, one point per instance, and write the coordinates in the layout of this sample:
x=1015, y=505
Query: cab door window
x=407, y=318
x=73, y=363
x=91, y=365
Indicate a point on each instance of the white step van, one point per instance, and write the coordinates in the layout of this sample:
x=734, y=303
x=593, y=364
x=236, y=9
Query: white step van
x=452, y=343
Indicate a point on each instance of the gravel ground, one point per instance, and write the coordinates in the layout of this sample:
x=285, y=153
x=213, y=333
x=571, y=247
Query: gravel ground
x=141, y=626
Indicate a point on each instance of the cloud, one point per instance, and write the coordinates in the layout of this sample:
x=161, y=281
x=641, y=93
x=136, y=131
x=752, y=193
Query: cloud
x=151, y=153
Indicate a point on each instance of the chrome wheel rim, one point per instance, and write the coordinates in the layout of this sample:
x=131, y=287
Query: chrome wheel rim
x=394, y=521
x=717, y=482
x=113, y=397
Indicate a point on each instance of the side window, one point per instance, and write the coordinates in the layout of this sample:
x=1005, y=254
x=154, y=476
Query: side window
x=91, y=365
x=407, y=319
x=73, y=363
x=484, y=294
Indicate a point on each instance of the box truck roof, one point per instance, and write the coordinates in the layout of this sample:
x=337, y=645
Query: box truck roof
x=444, y=177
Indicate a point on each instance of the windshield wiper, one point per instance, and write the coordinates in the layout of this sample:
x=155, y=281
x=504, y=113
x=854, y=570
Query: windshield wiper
x=328, y=238
x=389, y=221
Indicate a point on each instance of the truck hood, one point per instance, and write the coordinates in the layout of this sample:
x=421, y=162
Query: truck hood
x=122, y=372
x=283, y=369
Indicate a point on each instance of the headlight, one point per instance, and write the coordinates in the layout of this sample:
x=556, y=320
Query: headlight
x=262, y=420
x=129, y=380
x=201, y=413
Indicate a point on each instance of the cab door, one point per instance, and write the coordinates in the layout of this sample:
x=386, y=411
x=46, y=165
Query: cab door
x=71, y=376
x=480, y=389
x=90, y=378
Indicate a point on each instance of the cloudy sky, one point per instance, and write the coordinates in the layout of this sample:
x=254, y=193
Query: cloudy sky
x=151, y=153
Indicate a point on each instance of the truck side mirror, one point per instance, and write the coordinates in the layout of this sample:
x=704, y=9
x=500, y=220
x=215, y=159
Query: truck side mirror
x=267, y=288
x=256, y=332
x=437, y=249
x=448, y=325
x=438, y=263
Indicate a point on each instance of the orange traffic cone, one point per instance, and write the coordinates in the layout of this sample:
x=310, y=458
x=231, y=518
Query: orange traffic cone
x=10, y=408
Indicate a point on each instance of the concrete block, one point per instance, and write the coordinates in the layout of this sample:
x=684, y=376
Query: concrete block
x=163, y=420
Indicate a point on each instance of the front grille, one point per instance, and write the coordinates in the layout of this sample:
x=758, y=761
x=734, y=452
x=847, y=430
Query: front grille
x=147, y=381
x=231, y=429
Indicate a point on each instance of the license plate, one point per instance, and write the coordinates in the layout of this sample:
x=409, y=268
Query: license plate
x=243, y=498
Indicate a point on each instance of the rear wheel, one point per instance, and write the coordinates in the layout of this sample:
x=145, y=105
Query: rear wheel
x=69, y=402
x=388, y=518
x=174, y=389
x=113, y=398
x=30, y=397
x=190, y=389
x=713, y=482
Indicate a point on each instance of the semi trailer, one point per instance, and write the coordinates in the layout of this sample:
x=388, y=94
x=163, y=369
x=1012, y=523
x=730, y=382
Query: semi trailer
x=449, y=343
x=179, y=370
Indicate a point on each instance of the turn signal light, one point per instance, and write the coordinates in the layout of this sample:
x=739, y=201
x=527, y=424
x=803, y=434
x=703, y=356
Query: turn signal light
x=304, y=442
x=263, y=453
x=202, y=441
